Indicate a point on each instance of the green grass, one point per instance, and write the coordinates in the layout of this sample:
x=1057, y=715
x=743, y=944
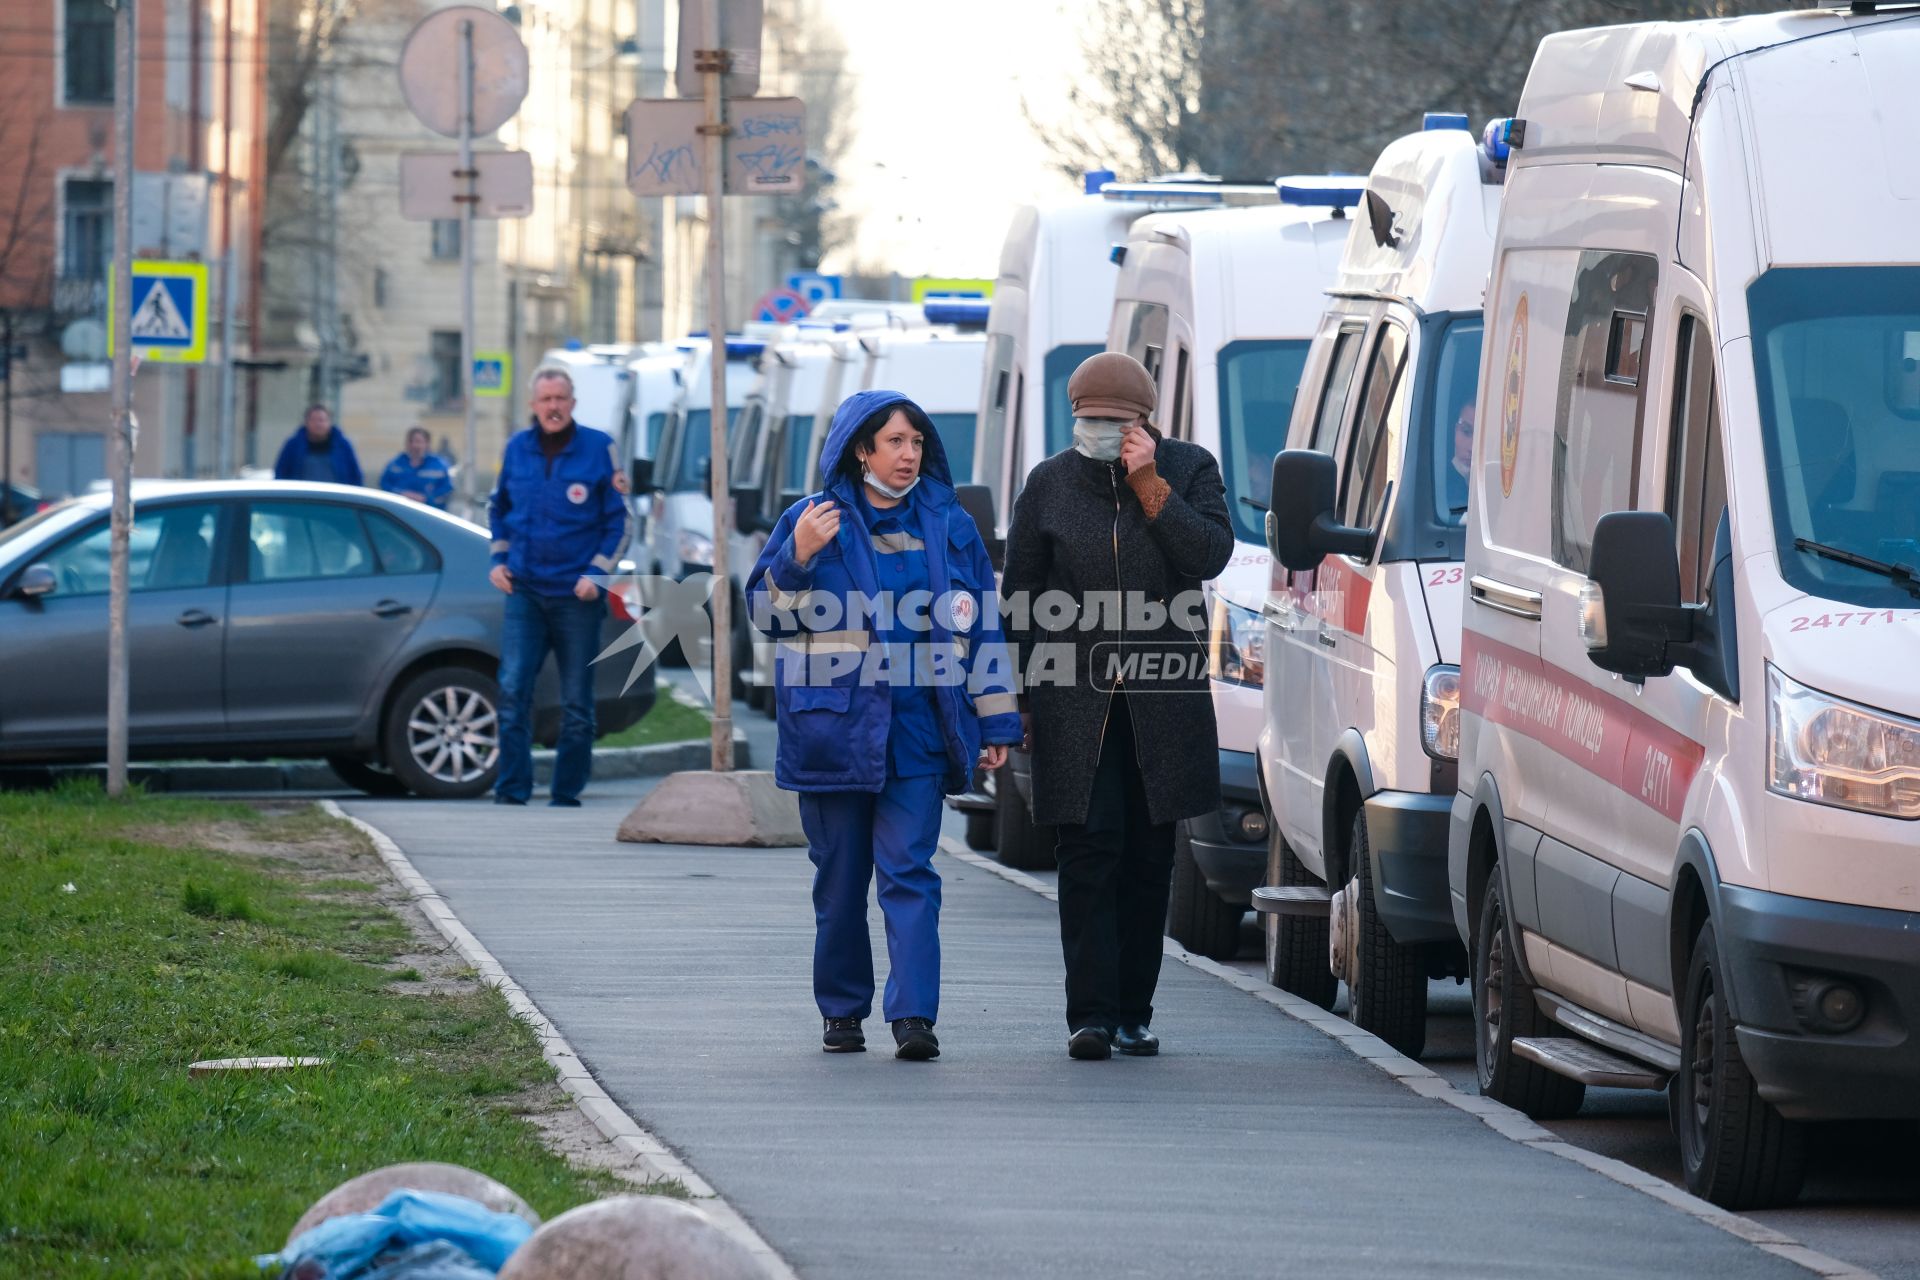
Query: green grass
x=670, y=721
x=112, y=1161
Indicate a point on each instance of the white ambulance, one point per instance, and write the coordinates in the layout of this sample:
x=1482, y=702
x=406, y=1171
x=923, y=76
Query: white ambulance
x=938, y=368
x=1686, y=845
x=1362, y=618
x=1220, y=305
x=654, y=384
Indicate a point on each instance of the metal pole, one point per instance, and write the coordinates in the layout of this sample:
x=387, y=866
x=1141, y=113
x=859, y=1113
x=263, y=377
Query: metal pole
x=120, y=444
x=6, y=428
x=224, y=455
x=714, y=68
x=470, y=469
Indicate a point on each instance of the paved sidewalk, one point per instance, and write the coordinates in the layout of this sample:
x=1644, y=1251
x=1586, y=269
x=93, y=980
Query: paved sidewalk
x=1252, y=1146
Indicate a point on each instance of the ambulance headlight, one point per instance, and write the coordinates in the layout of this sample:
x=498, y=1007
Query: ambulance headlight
x=1237, y=645
x=1440, y=712
x=694, y=548
x=1829, y=751
x=1593, y=616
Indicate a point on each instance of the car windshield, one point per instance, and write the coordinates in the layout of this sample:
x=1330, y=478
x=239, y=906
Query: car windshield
x=1258, y=379
x=28, y=532
x=956, y=437
x=1836, y=354
x=1061, y=362
x=696, y=446
x=1456, y=374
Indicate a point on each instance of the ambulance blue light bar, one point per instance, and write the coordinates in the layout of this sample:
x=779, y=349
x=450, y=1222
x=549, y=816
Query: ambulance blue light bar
x=742, y=349
x=1095, y=179
x=966, y=313
x=1445, y=120
x=1328, y=197
x=1500, y=138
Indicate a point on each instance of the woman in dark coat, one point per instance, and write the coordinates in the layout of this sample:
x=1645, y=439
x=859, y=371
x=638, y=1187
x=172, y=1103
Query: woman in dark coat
x=1121, y=718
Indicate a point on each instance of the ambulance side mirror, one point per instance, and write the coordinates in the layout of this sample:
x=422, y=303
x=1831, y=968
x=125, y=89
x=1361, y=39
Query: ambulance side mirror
x=1301, y=527
x=977, y=501
x=640, y=475
x=1631, y=617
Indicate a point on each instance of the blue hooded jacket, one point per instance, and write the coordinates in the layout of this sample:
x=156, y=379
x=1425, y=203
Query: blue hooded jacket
x=292, y=463
x=833, y=722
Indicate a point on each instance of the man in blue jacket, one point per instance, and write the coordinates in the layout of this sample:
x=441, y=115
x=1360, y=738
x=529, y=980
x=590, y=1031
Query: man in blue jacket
x=318, y=451
x=557, y=519
x=419, y=474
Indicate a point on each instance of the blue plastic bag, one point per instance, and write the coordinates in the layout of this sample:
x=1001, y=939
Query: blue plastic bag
x=350, y=1247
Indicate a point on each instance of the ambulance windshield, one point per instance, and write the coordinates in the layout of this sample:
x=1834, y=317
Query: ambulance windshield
x=1837, y=362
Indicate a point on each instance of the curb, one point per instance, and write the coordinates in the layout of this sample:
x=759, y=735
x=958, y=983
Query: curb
x=626, y=1133
x=314, y=775
x=1502, y=1119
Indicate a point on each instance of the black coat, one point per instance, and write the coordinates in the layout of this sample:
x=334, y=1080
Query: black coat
x=1079, y=528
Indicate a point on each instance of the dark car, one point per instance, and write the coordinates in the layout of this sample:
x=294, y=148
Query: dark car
x=273, y=620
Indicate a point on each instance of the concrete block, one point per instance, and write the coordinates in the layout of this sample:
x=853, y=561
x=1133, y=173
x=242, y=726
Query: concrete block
x=632, y=1238
x=358, y=1195
x=699, y=807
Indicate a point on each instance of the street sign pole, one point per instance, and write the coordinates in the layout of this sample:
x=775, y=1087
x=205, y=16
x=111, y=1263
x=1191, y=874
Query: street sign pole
x=470, y=470
x=713, y=64
x=120, y=446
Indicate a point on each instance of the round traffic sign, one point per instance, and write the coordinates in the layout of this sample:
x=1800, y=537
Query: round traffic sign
x=782, y=306
x=430, y=69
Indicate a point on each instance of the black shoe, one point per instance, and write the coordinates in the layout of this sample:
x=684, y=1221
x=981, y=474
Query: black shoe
x=1090, y=1044
x=1135, y=1041
x=563, y=803
x=915, y=1039
x=509, y=800
x=843, y=1035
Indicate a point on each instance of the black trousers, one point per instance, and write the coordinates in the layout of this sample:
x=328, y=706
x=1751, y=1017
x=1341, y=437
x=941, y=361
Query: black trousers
x=1115, y=872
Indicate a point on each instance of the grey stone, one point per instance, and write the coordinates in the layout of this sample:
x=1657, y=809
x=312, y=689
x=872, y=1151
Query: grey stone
x=632, y=1238
x=740, y=809
x=358, y=1195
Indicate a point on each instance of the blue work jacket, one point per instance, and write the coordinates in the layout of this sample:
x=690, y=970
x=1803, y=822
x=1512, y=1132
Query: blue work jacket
x=292, y=462
x=553, y=528
x=836, y=707
x=432, y=478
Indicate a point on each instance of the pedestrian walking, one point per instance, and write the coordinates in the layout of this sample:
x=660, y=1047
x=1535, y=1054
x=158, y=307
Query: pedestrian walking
x=419, y=474
x=556, y=520
x=893, y=673
x=1129, y=525
x=318, y=451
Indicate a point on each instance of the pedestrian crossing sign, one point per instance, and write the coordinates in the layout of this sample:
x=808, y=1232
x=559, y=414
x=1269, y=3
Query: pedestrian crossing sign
x=169, y=312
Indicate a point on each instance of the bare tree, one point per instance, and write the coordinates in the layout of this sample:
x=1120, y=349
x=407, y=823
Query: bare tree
x=28, y=204
x=1255, y=88
x=303, y=36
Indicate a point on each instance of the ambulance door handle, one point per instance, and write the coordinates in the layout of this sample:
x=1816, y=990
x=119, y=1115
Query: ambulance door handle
x=1501, y=598
x=1325, y=638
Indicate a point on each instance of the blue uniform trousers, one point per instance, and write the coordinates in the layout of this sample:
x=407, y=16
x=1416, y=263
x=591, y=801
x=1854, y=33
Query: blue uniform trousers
x=850, y=835
x=569, y=627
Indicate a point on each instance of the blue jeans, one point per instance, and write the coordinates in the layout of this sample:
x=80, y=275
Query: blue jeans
x=570, y=628
x=850, y=836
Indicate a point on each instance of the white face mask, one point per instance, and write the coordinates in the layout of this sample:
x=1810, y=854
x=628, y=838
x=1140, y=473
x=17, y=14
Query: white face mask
x=878, y=485
x=1099, y=438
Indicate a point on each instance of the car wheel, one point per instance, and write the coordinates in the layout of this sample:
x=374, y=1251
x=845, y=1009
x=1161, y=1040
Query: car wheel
x=364, y=776
x=1503, y=1011
x=981, y=829
x=1198, y=918
x=1386, y=982
x=1018, y=842
x=1296, y=945
x=1735, y=1149
x=443, y=733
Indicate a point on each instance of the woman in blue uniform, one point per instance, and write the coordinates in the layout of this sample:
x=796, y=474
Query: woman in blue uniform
x=891, y=677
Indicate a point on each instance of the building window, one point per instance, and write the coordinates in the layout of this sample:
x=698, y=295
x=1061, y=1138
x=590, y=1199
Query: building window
x=87, y=230
x=447, y=384
x=446, y=238
x=88, y=52
x=379, y=286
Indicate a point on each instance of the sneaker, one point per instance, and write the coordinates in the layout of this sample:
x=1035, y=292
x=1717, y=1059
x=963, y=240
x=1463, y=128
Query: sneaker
x=1090, y=1044
x=843, y=1035
x=915, y=1039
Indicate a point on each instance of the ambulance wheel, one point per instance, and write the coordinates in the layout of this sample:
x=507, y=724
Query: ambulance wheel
x=1386, y=982
x=1296, y=945
x=1504, y=1011
x=1735, y=1149
x=443, y=734
x=1197, y=917
x=1018, y=842
x=757, y=696
x=982, y=827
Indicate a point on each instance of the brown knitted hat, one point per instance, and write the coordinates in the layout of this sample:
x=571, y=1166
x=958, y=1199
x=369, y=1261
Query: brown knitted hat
x=1111, y=385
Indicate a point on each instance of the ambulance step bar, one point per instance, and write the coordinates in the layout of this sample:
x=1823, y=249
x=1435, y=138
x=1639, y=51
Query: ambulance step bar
x=1292, y=900
x=1588, y=1063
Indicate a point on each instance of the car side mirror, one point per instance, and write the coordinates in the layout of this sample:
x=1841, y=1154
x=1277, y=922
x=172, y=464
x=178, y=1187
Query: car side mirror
x=747, y=515
x=640, y=475
x=36, y=580
x=1631, y=617
x=1301, y=527
x=977, y=501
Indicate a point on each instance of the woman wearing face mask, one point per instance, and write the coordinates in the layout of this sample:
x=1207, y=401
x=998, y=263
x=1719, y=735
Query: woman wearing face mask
x=1116, y=701
x=892, y=675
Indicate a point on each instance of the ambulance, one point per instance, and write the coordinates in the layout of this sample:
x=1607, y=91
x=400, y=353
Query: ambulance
x=1685, y=848
x=1220, y=305
x=939, y=369
x=1362, y=615
x=654, y=383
